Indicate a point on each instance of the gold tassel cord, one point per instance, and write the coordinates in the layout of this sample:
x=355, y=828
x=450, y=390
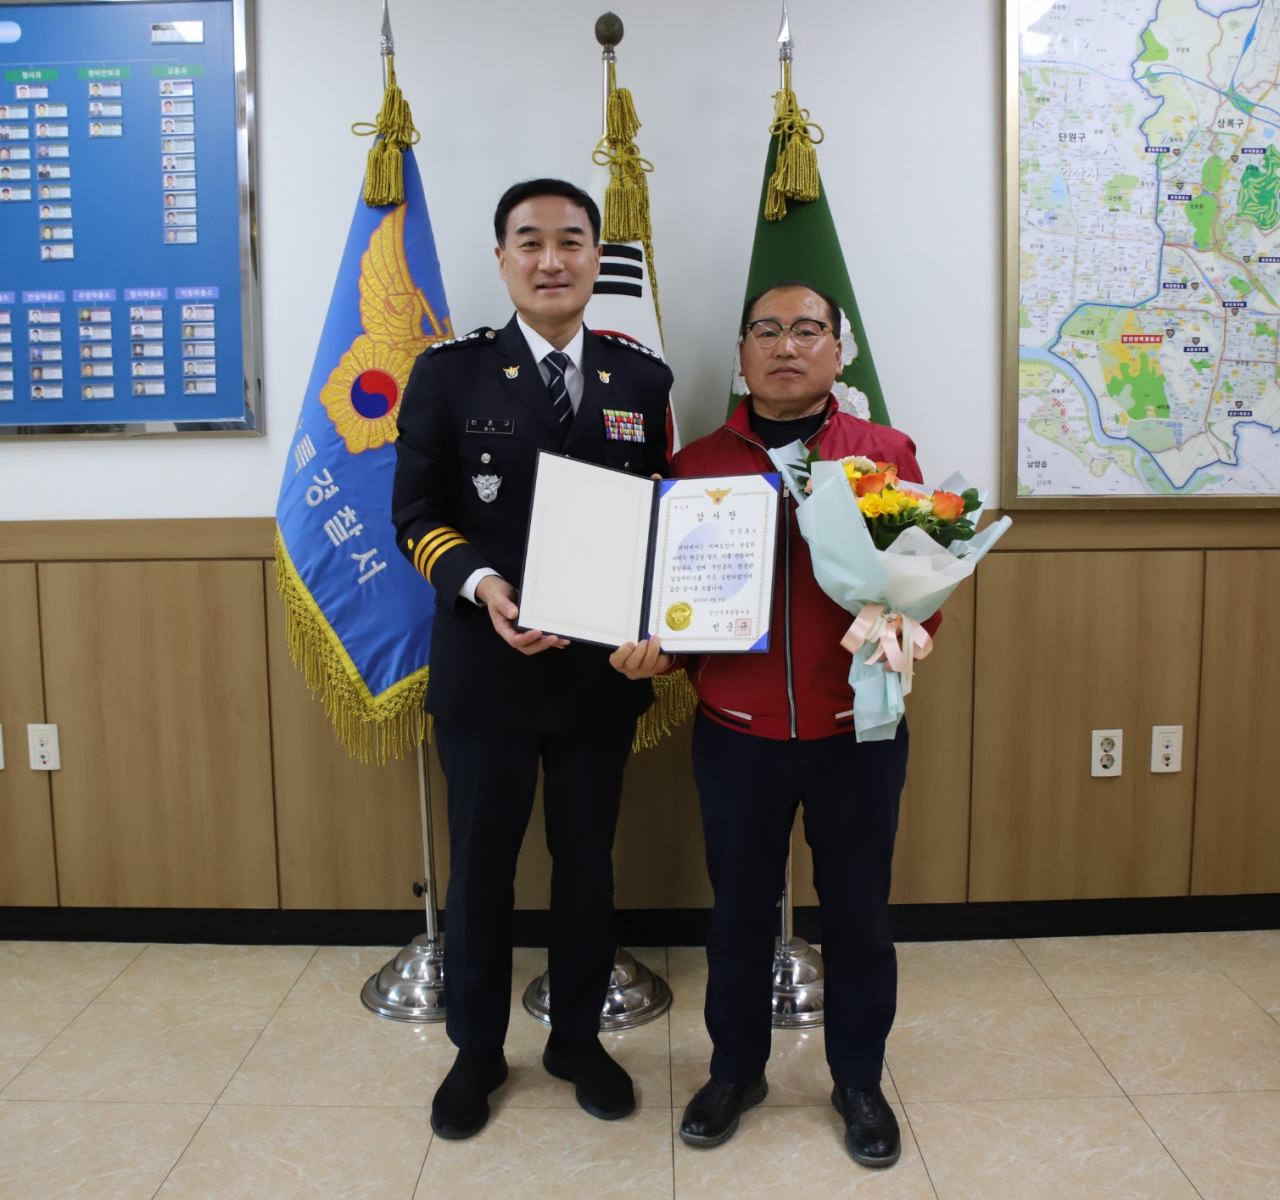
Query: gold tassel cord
x=674, y=702
x=392, y=134
x=374, y=729
x=626, y=199
x=795, y=175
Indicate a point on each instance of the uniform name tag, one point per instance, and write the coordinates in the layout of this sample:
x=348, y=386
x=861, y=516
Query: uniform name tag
x=491, y=425
x=622, y=426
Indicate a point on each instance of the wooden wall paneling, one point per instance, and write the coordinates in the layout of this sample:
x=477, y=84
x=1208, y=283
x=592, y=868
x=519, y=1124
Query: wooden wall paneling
x=931, y=858
x=156, y=675
x=27, y=872
x=350, y=835
x=1237, y=821
x=659, y=857
x=1067, y=643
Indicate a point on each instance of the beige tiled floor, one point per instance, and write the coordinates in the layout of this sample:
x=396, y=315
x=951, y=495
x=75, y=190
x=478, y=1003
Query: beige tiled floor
x=1119, y=1067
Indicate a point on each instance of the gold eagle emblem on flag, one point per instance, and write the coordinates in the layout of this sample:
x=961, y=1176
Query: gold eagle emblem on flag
x=363, y=392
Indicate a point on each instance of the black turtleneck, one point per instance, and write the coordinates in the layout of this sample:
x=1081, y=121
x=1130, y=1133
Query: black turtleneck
x=782, y=433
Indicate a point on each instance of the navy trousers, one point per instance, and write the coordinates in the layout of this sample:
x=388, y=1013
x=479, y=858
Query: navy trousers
x=492, y=775
x=749, y=789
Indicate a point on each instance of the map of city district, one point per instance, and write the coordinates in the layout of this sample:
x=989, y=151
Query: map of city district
x=1149, y=230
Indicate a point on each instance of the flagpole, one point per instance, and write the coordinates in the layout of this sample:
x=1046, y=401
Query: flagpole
x=411, y=986
x=635, y=994
x=609, y=32
x=798, y=988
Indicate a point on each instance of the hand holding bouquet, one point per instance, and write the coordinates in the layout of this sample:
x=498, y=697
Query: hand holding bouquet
x=891, y=553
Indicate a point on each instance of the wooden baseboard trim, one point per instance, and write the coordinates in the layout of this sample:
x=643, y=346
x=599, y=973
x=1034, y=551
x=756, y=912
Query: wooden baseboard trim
x=641, y=926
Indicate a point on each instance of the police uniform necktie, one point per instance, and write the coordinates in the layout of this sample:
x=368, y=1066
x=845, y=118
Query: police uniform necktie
x=557, y=363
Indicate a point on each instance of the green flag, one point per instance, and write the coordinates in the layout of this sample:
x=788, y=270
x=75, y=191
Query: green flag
x=803, y=244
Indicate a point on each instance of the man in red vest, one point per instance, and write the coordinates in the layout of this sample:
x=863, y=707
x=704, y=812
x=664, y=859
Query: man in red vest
x=775, y=730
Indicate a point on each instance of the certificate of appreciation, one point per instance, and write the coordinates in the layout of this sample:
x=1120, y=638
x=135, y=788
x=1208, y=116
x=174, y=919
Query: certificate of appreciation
x=614, y=558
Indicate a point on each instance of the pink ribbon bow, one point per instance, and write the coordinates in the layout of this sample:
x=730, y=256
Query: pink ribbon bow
x=901, y=639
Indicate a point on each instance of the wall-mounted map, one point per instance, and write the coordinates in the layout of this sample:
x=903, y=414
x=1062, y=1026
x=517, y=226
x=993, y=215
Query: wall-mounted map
x=1148, y=265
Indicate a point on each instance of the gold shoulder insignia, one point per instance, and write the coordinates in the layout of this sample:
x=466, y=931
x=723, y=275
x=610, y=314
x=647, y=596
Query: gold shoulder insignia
x=604, y=376
x=511, y=372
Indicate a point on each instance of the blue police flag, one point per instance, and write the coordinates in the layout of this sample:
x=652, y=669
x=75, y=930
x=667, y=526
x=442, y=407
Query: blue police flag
x=358, y=615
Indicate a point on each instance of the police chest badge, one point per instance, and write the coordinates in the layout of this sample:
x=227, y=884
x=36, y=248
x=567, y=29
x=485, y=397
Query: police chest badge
x=620, y=426
x=487, y=486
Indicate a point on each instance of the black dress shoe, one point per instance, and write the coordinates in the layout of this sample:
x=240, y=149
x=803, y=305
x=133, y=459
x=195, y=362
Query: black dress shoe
x=603, y=1088
x=871, y=1136
x=461, y=1104
x=711, y=1117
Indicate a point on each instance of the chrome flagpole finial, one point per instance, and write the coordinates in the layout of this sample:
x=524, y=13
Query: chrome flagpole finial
x=785, y=44
x=388, y=42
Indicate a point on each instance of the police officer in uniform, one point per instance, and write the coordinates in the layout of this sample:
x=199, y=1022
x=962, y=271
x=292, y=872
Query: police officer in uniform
x=474, y=416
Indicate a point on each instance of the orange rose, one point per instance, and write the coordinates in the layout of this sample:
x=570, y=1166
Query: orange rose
x=947, y=506
x=869, y=485
x=889, y=471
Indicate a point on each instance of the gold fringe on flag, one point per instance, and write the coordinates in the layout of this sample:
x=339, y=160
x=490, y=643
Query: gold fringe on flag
x=374, y=729
x=674, y=702
x=393, y=132
x=626, y=199
x=795, y=176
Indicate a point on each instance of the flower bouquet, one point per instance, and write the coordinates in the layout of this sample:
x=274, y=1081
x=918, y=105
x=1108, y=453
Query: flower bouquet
x=891, y=553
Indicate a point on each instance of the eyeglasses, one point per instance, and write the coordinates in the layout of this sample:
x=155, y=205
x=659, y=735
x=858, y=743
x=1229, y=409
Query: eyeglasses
x=804, y=333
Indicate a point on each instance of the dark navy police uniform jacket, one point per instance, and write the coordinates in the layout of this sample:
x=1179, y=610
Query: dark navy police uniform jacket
x=474, y=415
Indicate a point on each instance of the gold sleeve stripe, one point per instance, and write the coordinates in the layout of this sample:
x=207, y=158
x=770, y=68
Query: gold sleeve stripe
x=434, y=538
x=439, y=550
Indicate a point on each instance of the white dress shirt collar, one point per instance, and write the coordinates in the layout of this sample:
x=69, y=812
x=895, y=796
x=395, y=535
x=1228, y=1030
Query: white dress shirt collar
x=540, y=347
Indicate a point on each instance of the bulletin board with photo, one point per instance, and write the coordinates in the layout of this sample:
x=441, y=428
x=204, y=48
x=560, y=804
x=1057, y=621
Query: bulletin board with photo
x=128, y=279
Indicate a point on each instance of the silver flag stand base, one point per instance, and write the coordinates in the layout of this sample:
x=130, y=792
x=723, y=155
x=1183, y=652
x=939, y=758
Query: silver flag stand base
x=798, y=991
x=635, y=996
x=411, y=986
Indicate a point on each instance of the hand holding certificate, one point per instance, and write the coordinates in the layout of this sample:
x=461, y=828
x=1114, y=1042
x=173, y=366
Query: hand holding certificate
x=612, y=558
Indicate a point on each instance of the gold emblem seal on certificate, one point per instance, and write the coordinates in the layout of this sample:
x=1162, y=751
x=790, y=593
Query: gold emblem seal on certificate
x=679, y=615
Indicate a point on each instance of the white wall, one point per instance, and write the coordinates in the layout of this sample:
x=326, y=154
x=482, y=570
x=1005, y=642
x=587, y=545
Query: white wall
x=509, y=89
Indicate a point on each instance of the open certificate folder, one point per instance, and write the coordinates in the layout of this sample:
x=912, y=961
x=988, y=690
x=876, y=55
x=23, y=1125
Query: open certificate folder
x=613, y=558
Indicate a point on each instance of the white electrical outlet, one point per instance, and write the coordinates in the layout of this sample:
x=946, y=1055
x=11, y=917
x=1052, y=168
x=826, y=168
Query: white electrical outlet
x=1106, y=752
x=1166, y=748
x=42, y=743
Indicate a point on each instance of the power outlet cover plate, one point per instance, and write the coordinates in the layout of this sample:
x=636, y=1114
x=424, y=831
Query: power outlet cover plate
x=1106, y=753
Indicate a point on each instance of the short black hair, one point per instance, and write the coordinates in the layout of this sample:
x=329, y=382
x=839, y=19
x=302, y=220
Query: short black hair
x=518, y=193
x=833, y=309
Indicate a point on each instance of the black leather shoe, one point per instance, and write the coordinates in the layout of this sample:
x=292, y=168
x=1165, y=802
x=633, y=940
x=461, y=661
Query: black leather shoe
x=461, y=1104
x=711, y=1117
x=603, y=1088
x=871, y=1136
